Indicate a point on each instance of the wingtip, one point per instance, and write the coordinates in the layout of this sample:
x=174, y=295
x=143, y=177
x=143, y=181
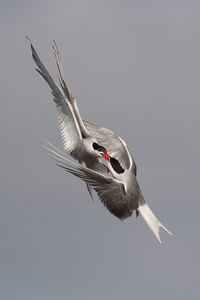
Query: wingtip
x=55, y=48
x=32, y=48
x=28, y=38
x=157, y=235
x=54, y=43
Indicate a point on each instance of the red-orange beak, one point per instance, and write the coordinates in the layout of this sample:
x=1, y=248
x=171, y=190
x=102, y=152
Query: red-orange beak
x=105, y=156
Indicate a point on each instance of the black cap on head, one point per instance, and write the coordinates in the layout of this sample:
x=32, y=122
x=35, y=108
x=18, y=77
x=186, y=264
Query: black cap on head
x=99, y=148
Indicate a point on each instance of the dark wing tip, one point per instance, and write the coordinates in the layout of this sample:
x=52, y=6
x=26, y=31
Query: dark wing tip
x=34, y=54
x=28, y=38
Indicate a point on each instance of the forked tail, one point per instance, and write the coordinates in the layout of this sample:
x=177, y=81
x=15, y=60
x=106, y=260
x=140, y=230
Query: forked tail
x=151, y=220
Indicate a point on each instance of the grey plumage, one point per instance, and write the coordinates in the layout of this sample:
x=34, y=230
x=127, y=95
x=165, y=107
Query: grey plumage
x=120, y=192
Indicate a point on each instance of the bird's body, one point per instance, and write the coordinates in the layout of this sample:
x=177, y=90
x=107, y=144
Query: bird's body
x=86, y=142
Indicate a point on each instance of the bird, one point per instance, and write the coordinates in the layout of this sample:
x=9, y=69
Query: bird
x=117, y=188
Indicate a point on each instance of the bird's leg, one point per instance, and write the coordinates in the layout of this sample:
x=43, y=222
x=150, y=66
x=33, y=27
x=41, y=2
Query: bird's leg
x=137, y=213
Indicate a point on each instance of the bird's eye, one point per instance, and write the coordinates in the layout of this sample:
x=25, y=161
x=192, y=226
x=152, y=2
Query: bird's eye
x=95, y=146
x=99, y=148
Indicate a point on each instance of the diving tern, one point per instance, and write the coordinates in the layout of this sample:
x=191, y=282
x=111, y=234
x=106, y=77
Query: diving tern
x=86, y=142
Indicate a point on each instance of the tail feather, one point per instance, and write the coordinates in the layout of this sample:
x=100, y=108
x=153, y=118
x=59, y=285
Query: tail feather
x=151, y=220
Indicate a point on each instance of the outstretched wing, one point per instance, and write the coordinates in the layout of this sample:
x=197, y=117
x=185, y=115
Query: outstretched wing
x=110, y=191
x=114, y=145
x=69, y=127
x=69, y=96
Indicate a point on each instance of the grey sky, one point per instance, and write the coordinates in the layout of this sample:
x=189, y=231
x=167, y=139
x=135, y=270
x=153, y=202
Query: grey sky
x=134, y=67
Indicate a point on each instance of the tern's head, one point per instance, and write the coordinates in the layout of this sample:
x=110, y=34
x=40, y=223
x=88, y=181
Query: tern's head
x=101, y=151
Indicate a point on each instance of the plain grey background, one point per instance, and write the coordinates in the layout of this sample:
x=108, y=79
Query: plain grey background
x=134, y=67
